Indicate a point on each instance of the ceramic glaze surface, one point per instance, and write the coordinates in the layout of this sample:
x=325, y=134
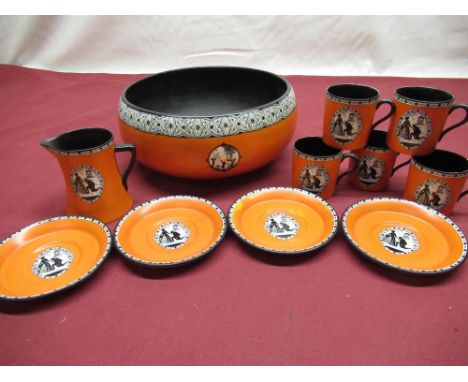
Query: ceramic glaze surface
x=404, y=235
x=51, y=255
x=217, y=122
x=170, y=231
x=283, y=220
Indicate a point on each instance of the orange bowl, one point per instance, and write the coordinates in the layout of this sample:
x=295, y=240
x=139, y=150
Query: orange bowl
x=208, y=122
x=404, y=236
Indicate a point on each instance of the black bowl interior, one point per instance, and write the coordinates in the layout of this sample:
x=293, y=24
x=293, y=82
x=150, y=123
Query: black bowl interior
x=443, y=161
x=205, y=91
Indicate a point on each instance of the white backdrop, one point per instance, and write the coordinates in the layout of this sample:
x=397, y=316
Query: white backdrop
x=413, y=46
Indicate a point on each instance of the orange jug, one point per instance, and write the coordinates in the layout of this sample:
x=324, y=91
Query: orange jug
x=92, y=179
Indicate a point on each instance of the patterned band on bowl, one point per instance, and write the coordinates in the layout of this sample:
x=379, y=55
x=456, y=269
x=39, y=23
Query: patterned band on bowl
x=207, y=127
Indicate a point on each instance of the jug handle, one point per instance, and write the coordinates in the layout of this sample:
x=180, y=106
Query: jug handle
x=131, y=148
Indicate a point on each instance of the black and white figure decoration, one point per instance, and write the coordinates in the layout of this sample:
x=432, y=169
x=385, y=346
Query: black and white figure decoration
x=172, y=235
x=399, y=240
x=207, y=127
x=433, y=193
x=281, y=226
x=87, y=182
x=413, y=128
x=370, y=169
x=313, y=178
x=223, y=157
x=345, y=125
x=52, y=262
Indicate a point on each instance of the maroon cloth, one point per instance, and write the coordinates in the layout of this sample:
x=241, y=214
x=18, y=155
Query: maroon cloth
x=237, y=305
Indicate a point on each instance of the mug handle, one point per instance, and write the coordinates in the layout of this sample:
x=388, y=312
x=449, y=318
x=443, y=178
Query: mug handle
x=453, y=108
x=351, y=156
x=395, y=169
x=132, y=149
x=390, y=113
x=463, y=194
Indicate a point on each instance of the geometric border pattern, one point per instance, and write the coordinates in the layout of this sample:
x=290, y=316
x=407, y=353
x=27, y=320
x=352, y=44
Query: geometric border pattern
x=208, y=127
x=317, y=157
x=272, y=250
x=412, y=102
x=353, y=101
x=83, y=152
x=349, y=101
x=377, y=260
x=168, y=264
x=80, y=279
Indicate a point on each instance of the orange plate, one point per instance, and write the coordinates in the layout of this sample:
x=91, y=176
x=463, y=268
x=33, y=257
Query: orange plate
x=283, y=220
x=170, y=231
x=404, y=235
x=51, y=255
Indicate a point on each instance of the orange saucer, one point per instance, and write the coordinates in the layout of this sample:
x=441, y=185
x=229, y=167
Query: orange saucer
x=51, y=255
x=283, y=220
x=404, y=235
x=170, y=231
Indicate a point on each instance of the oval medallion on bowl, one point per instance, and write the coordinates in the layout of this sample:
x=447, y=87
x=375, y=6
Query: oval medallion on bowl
x=223, y=157
x=208, y=122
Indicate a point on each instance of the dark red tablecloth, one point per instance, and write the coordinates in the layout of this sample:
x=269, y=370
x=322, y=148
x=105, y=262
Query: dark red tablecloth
x=237, y=305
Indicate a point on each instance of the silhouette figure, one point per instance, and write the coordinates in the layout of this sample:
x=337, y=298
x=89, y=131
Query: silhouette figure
x=316, y=181
x=274, y=225
x=165, y=235
x=45, y=263
x=307, y=179
x=372, y=172
x=403, y=243
x=338, y=125
x=285, y=227
x=57, y=262
x=424, y=195
x=176, y=235
x=363, y=170
x=417, y=128
x=348, y=124
x=435, y=201
x=404, y=130
x=392, y=236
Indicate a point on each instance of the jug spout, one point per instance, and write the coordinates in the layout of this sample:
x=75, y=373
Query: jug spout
x=50, y=143
x=80, y=140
